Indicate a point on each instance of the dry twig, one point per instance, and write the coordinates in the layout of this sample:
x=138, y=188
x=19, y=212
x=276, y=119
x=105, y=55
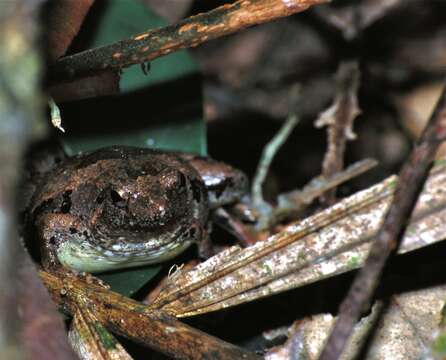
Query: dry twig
x=64, y=19
x=91, y=340
x=137, y=322
x=339, y=119
x=190, y=32
x=269, y=151
x=328, y=243
x=411, y=180
x=43, y=334
x=297, y=200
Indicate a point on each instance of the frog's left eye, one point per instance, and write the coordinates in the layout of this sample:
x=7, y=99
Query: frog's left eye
x=181, y=180
x=116, y=199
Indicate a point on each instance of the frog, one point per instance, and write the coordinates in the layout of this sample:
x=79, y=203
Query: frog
x=119, y=207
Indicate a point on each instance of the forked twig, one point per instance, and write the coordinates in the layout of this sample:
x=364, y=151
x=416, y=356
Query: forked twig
x=411, y=179
x=269, y=151
x=339, y=119
x=136, y=321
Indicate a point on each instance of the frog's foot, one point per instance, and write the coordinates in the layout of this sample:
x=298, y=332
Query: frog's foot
x=234, y=226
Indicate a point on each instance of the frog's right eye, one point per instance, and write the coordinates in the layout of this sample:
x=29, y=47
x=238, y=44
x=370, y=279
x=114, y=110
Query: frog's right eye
x=66, y=202
x=172, y=179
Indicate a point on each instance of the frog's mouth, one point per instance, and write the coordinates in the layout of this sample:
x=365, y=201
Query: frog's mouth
x=105, y=252
x=84, y=257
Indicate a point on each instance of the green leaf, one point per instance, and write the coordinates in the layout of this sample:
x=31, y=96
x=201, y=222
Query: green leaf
x=128, y=281
x=162, y=109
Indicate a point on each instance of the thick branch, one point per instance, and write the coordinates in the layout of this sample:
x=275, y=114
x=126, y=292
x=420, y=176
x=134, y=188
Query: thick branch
x=20, y=70
x=190, y=32
x=137, y=322
x=411, y=180
x=43, y=332
x=63, y=20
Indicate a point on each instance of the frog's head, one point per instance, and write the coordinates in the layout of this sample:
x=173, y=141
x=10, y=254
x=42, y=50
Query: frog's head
x=146, y=204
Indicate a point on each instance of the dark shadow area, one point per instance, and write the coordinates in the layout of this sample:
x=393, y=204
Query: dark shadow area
x=174, y=101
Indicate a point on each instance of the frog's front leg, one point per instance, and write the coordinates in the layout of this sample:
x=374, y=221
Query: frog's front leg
x=55, y=230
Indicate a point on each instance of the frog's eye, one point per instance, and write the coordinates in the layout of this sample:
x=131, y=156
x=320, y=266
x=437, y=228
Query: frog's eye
x=172, y=179
x=116, y=199
x=100, y=199
x=66, y=202
x=181, y=180
x=197, y=189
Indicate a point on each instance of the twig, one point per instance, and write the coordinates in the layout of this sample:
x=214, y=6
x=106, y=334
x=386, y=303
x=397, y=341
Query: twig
x=325, y=244
x=91, y=340
x=411, y=180
x=263, y=209
x=339, y=119
x=268, y=153
x=296, y=200
x=190, y=32
x=136, y=321
x=63, y=21
x=103, y=84
x=234, y=226
x=43, y=333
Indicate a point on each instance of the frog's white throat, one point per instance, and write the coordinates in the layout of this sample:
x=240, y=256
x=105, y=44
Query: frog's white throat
x=81, y=256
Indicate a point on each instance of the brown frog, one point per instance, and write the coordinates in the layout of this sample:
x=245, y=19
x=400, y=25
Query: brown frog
x=121, y=207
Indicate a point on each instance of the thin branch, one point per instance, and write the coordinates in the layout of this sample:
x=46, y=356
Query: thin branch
x=190, y=32
x=325, y=244
x=91, y=340
x=297, y=200
x=410, y=183
x=267, y=157
x=63, y=20
x=339, y=119
x=43, y=333
x=138, y=322
x=103, y=84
